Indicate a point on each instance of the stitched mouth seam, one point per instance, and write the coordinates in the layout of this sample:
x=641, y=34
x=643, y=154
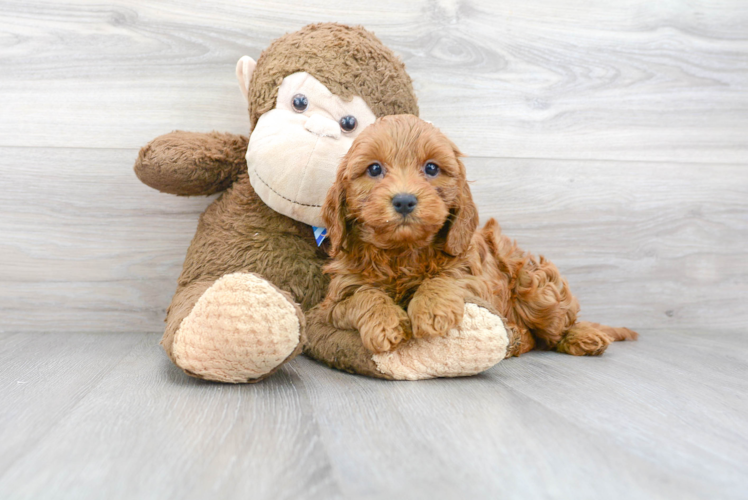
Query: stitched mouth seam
x=287, y=199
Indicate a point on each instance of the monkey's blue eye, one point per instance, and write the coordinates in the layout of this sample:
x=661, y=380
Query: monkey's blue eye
x=300, y=102
x=348, y=123
x=431, y=170
x=374, y=170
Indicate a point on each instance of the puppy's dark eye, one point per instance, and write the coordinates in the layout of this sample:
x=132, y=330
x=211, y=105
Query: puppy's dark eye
x=300, y=102
x=374, y=170
x=431, y=169
x=348, y=123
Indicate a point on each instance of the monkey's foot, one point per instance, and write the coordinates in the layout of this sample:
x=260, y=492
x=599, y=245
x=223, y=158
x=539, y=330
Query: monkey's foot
x=241, y=330
x=477, y=344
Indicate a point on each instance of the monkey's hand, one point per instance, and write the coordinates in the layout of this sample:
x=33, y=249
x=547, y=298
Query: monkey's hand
x=191, y=163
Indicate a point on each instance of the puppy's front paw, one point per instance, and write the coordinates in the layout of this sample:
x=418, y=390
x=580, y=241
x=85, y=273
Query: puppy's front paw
x=435, y=315
x=384, y=328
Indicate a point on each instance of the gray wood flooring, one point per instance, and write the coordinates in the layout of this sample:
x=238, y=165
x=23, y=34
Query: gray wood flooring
x=609, y=136
x=107, y=416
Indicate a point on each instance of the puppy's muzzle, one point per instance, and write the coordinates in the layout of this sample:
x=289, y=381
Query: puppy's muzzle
x=404, y=203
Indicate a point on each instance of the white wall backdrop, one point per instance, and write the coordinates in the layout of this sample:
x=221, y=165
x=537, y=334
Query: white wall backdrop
x=612, y=137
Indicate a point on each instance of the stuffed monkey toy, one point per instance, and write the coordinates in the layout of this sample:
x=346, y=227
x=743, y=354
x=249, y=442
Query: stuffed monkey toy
x=253, y=270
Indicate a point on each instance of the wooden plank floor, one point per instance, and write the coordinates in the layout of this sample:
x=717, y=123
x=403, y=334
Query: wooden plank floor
x=107, y=416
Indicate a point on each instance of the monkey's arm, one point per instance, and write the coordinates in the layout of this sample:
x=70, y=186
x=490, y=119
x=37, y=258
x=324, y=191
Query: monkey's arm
x=191, y=163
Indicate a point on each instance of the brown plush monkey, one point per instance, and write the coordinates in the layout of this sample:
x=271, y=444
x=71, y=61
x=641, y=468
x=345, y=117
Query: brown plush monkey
x=254, y=268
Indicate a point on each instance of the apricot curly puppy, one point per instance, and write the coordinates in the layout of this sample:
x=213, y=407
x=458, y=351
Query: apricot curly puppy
x=402, y=227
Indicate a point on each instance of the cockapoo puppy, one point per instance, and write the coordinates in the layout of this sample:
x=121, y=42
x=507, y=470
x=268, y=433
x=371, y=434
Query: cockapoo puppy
x=402, y=228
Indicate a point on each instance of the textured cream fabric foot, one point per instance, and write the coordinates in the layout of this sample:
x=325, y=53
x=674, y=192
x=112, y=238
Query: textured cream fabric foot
x=479, y=343
x=240, y=329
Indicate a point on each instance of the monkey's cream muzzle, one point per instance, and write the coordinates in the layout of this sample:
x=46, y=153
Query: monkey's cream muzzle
x=293, y=155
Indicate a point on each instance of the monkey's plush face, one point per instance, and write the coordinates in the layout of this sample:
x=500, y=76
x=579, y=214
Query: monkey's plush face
x=295, y=148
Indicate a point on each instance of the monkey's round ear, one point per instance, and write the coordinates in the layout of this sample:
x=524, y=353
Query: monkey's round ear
x=244, y=69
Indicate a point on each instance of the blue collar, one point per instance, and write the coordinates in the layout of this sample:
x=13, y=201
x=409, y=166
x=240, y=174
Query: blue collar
x=320, y=233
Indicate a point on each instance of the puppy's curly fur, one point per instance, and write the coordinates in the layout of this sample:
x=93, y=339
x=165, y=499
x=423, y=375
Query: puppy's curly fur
x=404, y=271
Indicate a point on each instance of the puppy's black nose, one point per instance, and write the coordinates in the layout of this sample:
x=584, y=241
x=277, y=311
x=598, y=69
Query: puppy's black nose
x=404, y=203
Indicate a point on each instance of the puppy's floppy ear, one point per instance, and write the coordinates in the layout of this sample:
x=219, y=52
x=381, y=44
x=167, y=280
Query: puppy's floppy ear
x=463, y=217
x=334, y=210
